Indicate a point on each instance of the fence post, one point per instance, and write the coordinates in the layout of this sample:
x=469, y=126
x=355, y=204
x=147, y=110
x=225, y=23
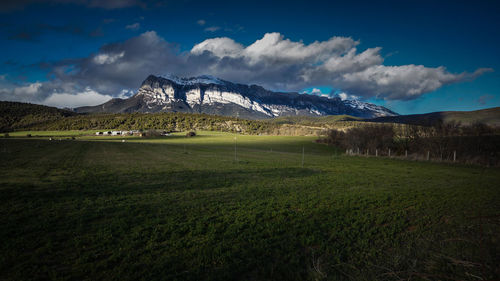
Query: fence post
x=376, y=152
x=454, y=155
x=367, y=153
x=428, y=152
x=358, y=151
x=389, y=152
x=406, y=153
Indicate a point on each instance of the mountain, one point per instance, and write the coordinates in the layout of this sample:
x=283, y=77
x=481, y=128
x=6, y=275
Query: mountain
x=489, y=116
x=210, y=95
x=15, y=115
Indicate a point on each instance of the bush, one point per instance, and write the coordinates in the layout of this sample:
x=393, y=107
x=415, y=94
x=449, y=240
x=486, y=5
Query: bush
x=152, y=133
x=190, y=134
x=28, y=135
x=369, y=137
x=6, y=135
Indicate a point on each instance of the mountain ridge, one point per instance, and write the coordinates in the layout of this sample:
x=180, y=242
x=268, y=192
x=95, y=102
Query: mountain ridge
x=211, y=95
x=489, y=116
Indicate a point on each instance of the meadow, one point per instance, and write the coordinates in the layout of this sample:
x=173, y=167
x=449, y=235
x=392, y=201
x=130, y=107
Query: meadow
x=221, y=206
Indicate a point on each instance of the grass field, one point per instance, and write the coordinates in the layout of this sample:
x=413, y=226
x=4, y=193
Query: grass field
x=177, y=208
x=52, y=133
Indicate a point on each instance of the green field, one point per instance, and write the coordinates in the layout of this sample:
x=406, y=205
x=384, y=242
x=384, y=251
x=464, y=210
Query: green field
x=53, y=133
x=176, y=208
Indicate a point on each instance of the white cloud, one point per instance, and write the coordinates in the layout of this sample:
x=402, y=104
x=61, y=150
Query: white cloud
x=220, y=47
x=282, y=64
x=107, y=58
x=400, y=82
x=29, y=90
x=134, y=26
x=201, y=22
x=353, y=62
x=316, y=91
x=212, y=28
x=43, y=93
x=274, y=47
x=344, y=96
x=72, y=100
x=14, y=92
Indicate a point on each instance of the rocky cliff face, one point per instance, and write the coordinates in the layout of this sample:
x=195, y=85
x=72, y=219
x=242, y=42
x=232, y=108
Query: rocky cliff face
x=206, y=94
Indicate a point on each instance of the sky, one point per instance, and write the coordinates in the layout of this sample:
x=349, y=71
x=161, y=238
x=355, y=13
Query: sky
x=410, y=56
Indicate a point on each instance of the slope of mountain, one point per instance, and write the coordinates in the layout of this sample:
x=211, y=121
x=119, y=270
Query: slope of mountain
x=490, y=116
x=15, y=115
x=207, y=94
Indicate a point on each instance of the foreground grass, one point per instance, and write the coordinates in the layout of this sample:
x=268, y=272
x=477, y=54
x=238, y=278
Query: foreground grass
x=180, y=208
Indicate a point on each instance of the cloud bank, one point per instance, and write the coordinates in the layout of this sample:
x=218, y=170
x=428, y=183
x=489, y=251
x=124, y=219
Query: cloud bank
x=280, y=63
x=273, y=61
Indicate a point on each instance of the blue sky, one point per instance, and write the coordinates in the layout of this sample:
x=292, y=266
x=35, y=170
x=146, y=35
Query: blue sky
x=48, y=48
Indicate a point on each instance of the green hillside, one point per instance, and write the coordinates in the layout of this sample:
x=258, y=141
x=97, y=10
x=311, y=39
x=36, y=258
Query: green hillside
x=18, y=115
x=490, y=116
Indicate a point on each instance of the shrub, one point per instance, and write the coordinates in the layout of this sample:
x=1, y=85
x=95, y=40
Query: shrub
x=152, y=133
x=368, y=137
x=190, y=134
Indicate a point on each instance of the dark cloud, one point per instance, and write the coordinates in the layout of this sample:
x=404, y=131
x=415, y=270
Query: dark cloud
x=13, y=5
x=32, y=32
x=119, y=65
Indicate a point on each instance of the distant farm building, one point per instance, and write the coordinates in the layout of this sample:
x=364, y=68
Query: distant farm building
x=129, y=133
x=116, y=133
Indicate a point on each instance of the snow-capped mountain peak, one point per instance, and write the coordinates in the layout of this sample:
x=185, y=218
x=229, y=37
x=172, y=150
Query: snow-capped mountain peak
x=211, y=95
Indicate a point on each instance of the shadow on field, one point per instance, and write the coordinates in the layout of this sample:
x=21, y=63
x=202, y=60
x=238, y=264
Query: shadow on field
x=99, y=183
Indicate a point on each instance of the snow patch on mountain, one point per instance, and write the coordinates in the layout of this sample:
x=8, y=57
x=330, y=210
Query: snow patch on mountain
x=379, y=110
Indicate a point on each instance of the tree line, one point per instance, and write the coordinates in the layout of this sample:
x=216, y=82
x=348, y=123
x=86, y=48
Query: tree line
x=443, y=141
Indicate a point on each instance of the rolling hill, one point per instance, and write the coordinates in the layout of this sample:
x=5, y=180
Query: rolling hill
x=489, y=116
